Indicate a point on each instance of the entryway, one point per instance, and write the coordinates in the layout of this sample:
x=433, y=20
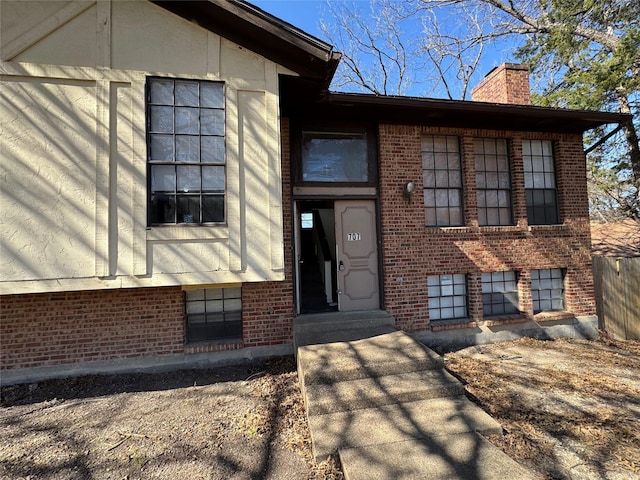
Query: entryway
x=336, y=256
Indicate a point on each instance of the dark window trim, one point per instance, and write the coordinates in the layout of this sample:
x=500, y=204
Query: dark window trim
x=508, y=190
x=530, y=206
x=465, y=283
x=563, y=274
x=504, y=299
x=226, y=324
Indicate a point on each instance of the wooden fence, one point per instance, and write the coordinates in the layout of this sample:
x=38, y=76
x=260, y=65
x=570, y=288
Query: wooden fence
x=617, y=288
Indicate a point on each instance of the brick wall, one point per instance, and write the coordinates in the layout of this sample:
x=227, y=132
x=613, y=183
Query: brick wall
x=267, y=307
x=57, y=328
x=411, y=251
x=508, y=83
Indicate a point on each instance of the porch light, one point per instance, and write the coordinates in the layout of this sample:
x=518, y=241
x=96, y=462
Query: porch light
x=408, y=190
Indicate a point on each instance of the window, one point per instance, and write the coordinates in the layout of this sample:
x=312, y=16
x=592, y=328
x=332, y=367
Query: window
x=334, y=157
x=442, y=176
x=499, y=293
x=447, y=296
x=185, y=151
x=547, y=289
x=493, y=181
x=306, y=220
x=540, y=182
x=214, y=314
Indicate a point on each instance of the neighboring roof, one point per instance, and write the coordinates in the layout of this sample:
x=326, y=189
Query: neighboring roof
x=262, y=33
x=617, y=239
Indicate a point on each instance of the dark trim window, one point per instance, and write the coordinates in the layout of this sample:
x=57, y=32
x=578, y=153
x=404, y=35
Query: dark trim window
x=335, y=157
x=499, y=293
x=547, y=289
x=185, y=151
x=213, y=314
x=442, y=177
x=540, y=182
x=493, y=181
x=447, y=296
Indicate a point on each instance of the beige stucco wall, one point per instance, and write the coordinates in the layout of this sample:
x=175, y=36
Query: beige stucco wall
x=73, y=173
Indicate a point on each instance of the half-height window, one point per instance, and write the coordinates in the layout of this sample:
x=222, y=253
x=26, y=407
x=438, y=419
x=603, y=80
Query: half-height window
x=442, y=176
x=447, y=296
x=335, y=157
x=499, y=293
x=493, y=181
x=185, y=151
x=547, y=289
x=214, y=314
x=540, y=182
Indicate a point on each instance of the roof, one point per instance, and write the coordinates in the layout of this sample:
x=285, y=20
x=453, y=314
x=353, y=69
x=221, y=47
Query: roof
x=262, y=33
x=316, y=62
x=618, y=239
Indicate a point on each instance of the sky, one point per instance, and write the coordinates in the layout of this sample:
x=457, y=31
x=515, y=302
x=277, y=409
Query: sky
x=306, y=15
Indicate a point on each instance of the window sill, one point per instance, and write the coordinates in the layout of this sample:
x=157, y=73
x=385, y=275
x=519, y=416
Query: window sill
x=550, y=228
x=504, y=319
x=553, y=315
x=187, y=232
x=214, y=346
x=452, y=324
x=450, y=229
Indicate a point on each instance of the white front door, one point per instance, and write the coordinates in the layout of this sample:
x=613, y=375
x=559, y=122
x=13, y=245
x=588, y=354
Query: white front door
x=356, y=255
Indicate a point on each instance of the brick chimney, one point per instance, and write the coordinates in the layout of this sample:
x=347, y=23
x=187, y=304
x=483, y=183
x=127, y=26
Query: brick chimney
x=508, y=83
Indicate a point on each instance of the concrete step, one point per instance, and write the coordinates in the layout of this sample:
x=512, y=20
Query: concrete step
x=313, y=329
x=379, y=391
x=422, y=419
x=463, y=456
x=387, y=354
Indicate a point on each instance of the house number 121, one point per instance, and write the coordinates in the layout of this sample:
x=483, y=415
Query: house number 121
x=352, y=237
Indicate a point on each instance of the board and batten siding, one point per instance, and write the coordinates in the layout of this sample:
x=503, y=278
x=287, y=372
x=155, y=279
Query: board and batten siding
x=74, y=174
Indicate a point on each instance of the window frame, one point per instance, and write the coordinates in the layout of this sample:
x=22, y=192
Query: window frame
x=458, y=280
x=229, y=320
x=215, y=194
x=560, y=274
x=491, y=309
x=431, y=183
x=550, y=210
x=483, y=173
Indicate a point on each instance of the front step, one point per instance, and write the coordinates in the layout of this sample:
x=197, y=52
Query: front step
x=421, y=420
x=379, y=391
x=388, y=354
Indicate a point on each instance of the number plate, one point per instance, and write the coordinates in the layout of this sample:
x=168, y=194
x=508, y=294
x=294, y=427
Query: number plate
x=353, y=237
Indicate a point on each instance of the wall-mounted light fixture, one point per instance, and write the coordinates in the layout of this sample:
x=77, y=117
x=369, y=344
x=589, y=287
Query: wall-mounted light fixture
x=408, y=190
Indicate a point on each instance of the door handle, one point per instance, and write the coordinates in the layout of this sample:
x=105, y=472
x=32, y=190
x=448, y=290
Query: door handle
x=341, y=265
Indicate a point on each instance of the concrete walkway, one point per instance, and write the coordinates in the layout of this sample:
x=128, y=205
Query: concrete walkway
x=388, y=407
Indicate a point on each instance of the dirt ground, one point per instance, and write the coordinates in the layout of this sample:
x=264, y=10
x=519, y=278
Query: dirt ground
x=570, y=410
x=235, y=422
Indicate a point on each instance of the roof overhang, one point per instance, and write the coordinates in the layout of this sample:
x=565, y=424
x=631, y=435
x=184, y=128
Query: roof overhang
x=262, y=33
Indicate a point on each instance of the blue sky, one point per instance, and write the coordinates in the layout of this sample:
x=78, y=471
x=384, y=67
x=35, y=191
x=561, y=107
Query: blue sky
x=306, y=15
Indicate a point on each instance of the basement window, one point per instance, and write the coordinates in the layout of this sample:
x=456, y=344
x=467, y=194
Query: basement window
x=547, y=289
x=447, y=296
x=499, y=293
x=213, y=314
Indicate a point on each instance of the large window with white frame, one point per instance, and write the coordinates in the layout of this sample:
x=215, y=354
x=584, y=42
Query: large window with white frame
x=185, y=151
x=547, y=289
x=540, y=182
x=447, y=296
x=493, y=181
x=499, y=293
x=213, y=314
x=442, y=178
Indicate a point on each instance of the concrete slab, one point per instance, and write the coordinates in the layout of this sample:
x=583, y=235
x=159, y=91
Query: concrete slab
x=306, y=337
x=386, y=354
x=465, y=456
x=378, y=391
x=394, y=423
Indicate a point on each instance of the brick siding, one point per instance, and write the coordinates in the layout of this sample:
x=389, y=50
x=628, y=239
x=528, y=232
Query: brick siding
x=411, y=251
x=56, y=328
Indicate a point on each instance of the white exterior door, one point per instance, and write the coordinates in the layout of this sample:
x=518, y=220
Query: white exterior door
x=356, y=255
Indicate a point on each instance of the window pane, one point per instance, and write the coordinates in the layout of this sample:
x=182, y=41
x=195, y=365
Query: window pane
x=188, y=148
x=213, y=180
x=212, y=208
x=161, y=148
x=161, y=119
x=334, y=158
x=163, y=178
x=212, y=122
x=161, y=91
x=188, y=209
x=163, y=209
x=188, y=178
x=187, y=93
x=212, y=149
x=187, y=121
x=212, y=95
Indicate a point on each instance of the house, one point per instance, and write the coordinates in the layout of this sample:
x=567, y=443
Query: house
x=176, y=177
